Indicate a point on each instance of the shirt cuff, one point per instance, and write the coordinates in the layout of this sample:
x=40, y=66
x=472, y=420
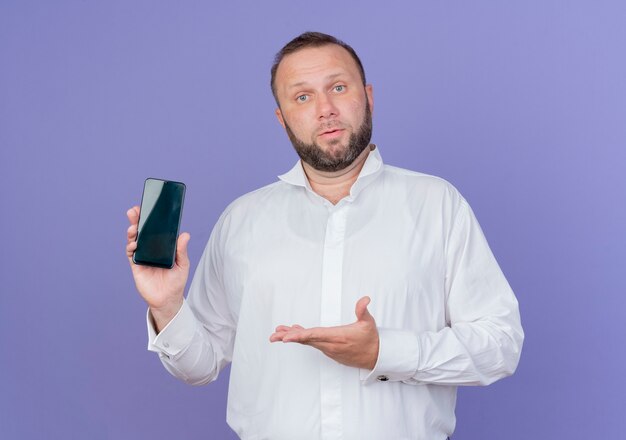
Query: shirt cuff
x=398, y=355
x=177, y=334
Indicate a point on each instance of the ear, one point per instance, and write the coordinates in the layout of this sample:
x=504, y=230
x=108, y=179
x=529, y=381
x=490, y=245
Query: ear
x=369, y=92
x=279, y=116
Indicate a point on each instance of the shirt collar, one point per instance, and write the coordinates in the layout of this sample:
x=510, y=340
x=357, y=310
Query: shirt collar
x=371, y=168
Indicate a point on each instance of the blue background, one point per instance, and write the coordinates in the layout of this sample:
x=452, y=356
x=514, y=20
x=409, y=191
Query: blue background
x=521, y=105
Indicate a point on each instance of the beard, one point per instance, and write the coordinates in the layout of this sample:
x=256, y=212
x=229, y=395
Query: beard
x=337, y=158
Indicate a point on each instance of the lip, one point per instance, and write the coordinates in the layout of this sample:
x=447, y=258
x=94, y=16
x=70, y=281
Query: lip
x=332, y=133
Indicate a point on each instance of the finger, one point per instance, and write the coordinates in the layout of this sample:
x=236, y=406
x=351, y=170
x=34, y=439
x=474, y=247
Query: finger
x=131, y=232
x=298, y=326
x=282, y=328
x=362, y=314
x=133, y=215
x=308, y=336
x=130, y=248
x=294, y=336
x=277, y=336
x=182, y=259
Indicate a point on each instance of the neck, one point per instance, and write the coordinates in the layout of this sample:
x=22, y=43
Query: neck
x=335, y=185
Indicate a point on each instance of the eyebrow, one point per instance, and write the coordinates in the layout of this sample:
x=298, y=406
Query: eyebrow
x=302, y=83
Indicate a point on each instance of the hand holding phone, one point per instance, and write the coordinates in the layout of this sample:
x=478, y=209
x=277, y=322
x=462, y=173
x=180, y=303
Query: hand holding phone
x=160, y=286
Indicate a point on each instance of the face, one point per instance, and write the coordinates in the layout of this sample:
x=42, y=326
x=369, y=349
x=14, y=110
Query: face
x=324, y=107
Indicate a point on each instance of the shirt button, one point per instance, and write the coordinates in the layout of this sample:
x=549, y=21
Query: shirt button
x=382, y=378
x=166, y=344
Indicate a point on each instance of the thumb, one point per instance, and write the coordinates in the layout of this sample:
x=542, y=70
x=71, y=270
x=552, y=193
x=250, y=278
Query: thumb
x=182, y=259
x=362, y=314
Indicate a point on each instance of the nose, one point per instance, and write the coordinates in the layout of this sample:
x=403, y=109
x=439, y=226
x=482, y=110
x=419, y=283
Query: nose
x=326, y=108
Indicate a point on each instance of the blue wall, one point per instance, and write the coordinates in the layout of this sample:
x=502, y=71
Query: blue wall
x=521, y=105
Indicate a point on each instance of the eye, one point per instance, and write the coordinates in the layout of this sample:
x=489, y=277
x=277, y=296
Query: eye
x=340, y=88
x=302, y=98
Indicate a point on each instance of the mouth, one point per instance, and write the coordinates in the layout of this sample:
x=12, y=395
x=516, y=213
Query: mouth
x=331, y=132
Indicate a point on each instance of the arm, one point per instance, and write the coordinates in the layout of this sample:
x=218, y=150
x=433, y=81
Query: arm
x=483, y=340
x=193, y=337
x=198, y=342
x=481, y=343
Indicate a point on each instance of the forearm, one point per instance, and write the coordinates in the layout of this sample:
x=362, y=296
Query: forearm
x=186, y=349
x=476, y=353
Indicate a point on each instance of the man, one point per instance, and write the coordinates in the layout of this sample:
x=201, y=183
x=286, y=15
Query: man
x=374, y=285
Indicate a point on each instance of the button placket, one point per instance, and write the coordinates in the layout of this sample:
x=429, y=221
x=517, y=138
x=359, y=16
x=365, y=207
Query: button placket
x=330, y=315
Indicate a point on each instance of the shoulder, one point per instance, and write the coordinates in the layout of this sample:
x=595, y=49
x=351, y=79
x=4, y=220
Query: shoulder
x=426, y=196
x=421, y=185
x=255, y=198
x=255, y=205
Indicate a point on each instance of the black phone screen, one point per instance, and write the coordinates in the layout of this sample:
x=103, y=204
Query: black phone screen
x=159, y=221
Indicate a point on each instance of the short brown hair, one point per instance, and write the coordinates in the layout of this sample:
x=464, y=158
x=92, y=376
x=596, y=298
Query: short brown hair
x=311, y=39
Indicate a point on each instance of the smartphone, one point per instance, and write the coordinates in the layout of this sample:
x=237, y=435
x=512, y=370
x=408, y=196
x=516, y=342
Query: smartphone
x=159, y=223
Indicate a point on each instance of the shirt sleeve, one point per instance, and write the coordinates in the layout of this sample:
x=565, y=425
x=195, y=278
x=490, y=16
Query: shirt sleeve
x=483, y=338
x=198, y=342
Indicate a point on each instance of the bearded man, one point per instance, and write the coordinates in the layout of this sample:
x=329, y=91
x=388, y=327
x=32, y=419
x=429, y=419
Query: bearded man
x=352, y=297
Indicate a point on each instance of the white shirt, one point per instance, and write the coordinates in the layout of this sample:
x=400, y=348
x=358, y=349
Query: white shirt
x=284, y=255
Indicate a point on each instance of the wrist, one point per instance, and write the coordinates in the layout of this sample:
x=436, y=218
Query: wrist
x=398, y=356
x=163, y=314
x=374, y=358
